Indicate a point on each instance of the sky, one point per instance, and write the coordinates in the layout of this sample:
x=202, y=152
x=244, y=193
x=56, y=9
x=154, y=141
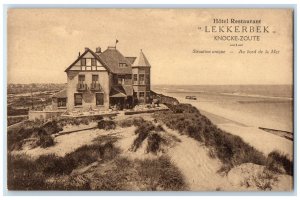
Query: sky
x=42, y=43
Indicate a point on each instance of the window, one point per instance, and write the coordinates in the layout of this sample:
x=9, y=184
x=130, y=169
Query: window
x=99, y=99
x=122, y=65
x=147, y=80
x=134, y=77
x=142, y=95
x=95, y=78
x=93, y=61
x=83, y=62
x=121, y=80
x=81, y=78
x=78, y=99
x=128, y=79
x=61, y=102
x=142, y=78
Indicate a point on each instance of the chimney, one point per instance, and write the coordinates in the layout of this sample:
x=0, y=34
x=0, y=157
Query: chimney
x=98, y=50
x=78, y=54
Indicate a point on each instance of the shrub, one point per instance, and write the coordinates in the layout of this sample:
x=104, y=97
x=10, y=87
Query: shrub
x=154, y=141
x=22, y=174
x=143, y=130
x=277, y=161
x=15, y=138
x=161, y=174
x=159, y=128
x=52, y=127
x=136, y=121
x=45, y=141
x=106, y=124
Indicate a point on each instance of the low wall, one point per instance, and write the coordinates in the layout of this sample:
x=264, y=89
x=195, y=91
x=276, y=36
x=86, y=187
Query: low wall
x=41, y=115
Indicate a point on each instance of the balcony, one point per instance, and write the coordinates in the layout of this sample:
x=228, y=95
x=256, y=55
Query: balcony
x=81, y=87
x=95, y=86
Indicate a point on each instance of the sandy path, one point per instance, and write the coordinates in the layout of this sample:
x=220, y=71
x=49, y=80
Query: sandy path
x=259, y=139
x=199, y=170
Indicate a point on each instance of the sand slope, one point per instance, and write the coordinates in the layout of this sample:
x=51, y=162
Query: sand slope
x=261, y=140
x=199, y=169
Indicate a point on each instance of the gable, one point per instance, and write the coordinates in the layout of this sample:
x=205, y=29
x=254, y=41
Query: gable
x=88, y=61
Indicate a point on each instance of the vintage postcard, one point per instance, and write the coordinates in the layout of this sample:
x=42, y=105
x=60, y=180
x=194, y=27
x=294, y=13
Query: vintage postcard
x=150, y=99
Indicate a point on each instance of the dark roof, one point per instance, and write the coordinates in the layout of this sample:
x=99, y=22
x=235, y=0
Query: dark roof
x=131, y=59
x=121, y=91
x=112, y=57
x=141, y=61
x=94, y=54
x=60, y=94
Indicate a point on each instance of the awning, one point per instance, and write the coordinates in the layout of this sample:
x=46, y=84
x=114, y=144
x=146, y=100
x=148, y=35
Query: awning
x=60, y=94
x=121, y=91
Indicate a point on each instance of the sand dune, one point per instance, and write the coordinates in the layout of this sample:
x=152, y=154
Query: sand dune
x=199, y=169
x=261, y=140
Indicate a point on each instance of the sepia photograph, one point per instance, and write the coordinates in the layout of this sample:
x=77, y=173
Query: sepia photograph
x=164, y=99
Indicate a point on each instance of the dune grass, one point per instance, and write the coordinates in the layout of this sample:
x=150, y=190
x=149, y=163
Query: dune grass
x=279, y=163
x=230, y=149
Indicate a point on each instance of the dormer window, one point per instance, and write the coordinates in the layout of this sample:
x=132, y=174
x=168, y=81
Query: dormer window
x=122, y=65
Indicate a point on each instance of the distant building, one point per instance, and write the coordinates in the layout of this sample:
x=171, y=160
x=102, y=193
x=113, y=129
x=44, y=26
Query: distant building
x=105, y=79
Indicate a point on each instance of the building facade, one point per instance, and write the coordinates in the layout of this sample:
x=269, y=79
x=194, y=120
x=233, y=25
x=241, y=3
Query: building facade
x=103, y=80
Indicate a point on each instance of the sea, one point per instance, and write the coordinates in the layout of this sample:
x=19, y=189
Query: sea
x=267, y=106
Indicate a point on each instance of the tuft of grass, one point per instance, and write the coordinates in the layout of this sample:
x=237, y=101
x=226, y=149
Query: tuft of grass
x=106, y=124
x=154, y=141
x=161, y=174
x=143, y=130
x=45, y=141
x=279, y=163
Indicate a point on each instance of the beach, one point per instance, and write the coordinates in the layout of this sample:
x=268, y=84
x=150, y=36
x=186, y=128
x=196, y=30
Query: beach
x=242, y=122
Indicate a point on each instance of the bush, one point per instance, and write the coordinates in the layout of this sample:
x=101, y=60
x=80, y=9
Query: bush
x=106, y=124
x=15, y=138
x=154, y=141
x=143, y=130
x=161, y=174
x=52, y=127
x=278, y=162
x=45, y=141
x=136, y=121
